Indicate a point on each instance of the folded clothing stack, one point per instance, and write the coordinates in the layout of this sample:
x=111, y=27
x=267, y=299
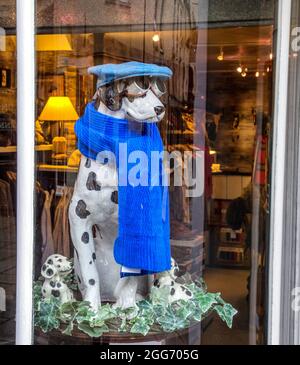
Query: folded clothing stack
x=59, y=150
x=188, y=250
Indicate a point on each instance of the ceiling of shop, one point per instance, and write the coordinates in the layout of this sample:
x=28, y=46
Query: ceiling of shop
x=250, y=46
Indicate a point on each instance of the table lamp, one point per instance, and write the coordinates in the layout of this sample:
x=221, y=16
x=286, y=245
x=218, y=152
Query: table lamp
x=59, y=109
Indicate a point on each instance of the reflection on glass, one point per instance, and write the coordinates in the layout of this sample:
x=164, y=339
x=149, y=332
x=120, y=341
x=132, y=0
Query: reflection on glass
x=218, y=106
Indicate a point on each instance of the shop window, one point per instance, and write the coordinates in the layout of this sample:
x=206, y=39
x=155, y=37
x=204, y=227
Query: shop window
x=200, y=90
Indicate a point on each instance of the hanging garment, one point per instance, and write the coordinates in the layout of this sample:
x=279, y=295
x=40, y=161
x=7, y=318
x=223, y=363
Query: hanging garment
x=143, y=240
x=61, y=233
x=48, y=244
x=6, y=205
x=39, y=206
x=11, y=178
x=260, y=173
x=7, y=219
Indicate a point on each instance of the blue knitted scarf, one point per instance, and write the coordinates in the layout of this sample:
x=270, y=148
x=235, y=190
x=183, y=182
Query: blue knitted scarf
x=143, y=240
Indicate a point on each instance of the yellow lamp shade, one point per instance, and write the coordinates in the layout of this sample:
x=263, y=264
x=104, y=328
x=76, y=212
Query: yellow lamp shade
x=59, y=108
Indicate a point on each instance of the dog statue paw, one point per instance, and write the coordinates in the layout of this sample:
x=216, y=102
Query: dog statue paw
x=168, y=279
x=126, y=293
x=54, y=271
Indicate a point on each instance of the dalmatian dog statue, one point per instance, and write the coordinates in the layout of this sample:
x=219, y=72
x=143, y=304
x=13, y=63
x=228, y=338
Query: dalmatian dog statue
x=168, y=279
x=93, y=211
x=54, y=270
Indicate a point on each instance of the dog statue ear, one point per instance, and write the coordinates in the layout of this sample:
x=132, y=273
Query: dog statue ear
x=174, y=271
x=48, y=271
x=111, y=98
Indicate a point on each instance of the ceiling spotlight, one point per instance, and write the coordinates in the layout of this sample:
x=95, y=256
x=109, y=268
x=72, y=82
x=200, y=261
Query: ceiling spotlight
x=256, y=74
x=221, y=55
x=268, y=69
x=295, y=55
x=239, y=69
x=156, y=37
x=271, y=56
x=244, y=74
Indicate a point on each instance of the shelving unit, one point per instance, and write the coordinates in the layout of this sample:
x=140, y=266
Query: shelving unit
x=232, y=247
x=38, y=148
x=229, y=247
x=56, y=168
x=42, y=166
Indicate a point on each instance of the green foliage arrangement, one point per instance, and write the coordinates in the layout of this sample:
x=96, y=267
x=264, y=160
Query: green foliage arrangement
x=153, y=314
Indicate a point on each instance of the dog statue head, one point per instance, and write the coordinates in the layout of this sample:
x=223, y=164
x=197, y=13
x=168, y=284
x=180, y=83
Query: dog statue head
x=131, y=91
x=56, y=265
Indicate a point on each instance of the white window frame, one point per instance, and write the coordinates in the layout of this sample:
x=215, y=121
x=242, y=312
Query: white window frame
x=278, y=170
x=26, y=169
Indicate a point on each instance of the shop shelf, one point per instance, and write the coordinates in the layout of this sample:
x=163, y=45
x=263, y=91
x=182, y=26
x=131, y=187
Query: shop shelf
x=56, y=168
x=13, y=149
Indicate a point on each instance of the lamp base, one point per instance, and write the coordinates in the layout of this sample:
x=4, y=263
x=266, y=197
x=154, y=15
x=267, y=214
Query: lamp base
x=59, y=151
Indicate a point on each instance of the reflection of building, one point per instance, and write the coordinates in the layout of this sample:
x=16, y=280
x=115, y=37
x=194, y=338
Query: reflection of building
x=125, y=3
x=142, y=14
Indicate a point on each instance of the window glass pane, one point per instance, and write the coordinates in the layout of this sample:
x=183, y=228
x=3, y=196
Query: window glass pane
x=200, y=90
x=290, y=321
x=7, y=171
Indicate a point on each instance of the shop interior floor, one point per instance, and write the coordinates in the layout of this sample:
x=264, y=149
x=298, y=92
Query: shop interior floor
x=233, y=286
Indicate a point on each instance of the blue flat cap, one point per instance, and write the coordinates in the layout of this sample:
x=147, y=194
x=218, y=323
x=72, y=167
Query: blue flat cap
x=113, y=72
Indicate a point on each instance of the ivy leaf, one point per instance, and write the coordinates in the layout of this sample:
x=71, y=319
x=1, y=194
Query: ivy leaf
x=37, y=295
x=160, y=296
x=92, y=331
x=148, y=315
x=69, y=329
x=83, y=305
x=220, y=299
x=130, y=313
x=197, y=315
x=226, y=313
x=205, y=301
x=141, y=327
x=105, y=313
x=159, y=310
x=184, y=312
x=47, y=316
x=84, y=313
x=169, y=322
x=124, y=325
x=67, y=311
x=145, y=304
